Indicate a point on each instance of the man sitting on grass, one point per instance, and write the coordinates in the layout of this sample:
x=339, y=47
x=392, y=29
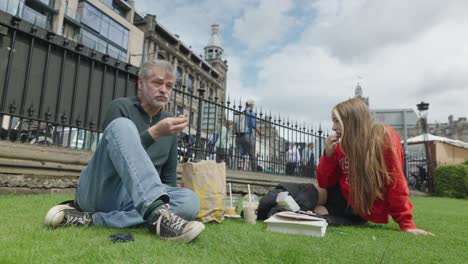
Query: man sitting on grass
x=131, y=178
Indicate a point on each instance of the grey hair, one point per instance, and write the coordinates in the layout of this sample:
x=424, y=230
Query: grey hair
x=146, y=69
x=250, y=102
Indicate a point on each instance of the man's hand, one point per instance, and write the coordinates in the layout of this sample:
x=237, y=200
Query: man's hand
x=417, y=231
x=168, y=127
x=330, y=143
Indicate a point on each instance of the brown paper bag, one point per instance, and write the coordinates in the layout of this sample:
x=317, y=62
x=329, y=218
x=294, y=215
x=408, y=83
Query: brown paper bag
x=208, y=180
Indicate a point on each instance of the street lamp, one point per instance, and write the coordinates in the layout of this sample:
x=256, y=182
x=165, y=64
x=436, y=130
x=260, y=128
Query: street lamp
x=423, y=109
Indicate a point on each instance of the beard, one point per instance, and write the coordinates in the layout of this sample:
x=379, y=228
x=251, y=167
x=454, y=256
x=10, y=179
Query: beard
x=152, y=100
x=156, y=103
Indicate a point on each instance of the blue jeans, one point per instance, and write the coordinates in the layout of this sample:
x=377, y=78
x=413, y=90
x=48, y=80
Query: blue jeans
x=120, y=181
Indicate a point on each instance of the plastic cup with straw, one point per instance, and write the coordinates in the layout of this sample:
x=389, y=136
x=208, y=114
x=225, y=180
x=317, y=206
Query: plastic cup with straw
x=230, y=209
x=249, y=212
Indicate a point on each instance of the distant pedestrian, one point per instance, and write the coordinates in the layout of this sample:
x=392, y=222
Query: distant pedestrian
x=223, y=144
x=246, y=129
x=293, y=158
x=308, y=160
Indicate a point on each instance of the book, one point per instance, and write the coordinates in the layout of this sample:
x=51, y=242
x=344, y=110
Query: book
x=297, y=223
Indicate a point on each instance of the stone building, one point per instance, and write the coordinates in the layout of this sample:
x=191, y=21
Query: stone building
x=453, y=129
x=103, y=25
x=193, y=70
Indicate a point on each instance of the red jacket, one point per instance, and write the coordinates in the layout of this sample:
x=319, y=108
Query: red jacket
x=334, y=170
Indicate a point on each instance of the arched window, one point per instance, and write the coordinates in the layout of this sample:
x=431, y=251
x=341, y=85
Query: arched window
x=190, y=82
x=179, y=76
x=211, y=94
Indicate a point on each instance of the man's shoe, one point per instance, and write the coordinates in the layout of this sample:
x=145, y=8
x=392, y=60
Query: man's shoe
x=170, y=226
x=66, y=215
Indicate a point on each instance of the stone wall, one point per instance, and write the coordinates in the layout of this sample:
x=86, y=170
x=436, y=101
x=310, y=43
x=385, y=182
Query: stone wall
x=33, y=169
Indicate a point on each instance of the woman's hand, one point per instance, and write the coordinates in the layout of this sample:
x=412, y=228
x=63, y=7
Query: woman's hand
x=417, y=231
x=330, y=143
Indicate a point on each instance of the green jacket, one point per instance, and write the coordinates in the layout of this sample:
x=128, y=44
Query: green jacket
x=163, y=152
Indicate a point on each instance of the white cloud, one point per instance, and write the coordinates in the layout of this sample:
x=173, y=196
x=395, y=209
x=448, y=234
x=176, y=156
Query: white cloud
x=350, y=29
x=192, y=20
x=262, y=26
x=406, y=51
x=425, y=62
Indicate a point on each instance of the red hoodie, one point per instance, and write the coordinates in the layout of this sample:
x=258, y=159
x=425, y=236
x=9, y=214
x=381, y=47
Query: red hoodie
x=334, y=169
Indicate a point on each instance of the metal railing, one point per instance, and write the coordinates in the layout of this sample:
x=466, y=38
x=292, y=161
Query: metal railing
x=263, y=149
x=55, y=92
x=420, y=172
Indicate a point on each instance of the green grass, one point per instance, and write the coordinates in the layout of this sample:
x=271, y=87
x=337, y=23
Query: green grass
x=23, y=239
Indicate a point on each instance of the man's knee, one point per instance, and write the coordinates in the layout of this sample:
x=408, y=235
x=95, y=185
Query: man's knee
x=123, y=125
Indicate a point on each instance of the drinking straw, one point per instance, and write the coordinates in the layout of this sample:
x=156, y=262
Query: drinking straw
x=250, y=196
x=230, y=194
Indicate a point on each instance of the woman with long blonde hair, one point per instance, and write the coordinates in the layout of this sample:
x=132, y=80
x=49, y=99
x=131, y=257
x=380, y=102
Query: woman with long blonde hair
x=361, y=172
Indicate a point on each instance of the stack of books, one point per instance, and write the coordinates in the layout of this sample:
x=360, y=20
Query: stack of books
x=297, y=223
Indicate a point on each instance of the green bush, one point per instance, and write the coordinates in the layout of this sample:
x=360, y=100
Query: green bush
x=451, y=181
x=465, y=162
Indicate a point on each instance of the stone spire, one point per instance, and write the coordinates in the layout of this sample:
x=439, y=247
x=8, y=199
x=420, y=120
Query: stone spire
x=359, y=94
x=358, y=91
x=213, y=49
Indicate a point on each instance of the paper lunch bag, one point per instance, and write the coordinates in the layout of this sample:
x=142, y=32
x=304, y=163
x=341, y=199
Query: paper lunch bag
x=208, y=180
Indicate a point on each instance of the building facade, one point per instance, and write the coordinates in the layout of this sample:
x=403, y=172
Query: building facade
x=453, y=129
x=193, y=71
x=103, y=25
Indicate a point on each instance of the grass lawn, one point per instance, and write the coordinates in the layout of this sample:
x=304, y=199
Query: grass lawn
x=24, y=239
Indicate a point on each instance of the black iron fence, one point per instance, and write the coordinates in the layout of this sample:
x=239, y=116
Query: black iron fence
x=55, y=92
x=246, y=139
x=421, y=172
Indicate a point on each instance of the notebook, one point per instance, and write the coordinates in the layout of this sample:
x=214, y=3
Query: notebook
x=297, y=223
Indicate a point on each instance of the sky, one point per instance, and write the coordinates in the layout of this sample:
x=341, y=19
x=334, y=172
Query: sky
x=299, y=58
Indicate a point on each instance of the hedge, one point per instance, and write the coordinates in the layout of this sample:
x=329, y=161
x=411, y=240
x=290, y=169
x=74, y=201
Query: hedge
x=451, y=181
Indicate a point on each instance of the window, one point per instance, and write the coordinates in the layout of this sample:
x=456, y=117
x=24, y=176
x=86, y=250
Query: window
x=211, y=92
x=89, y=39
x=113, y=51
x=179, y=76
x=104, y=29
x=115, y=33
x=114, y=7
x=11, y=6
x=192, y=116
x=46, y=2
x=3, y=5
x=190, y=82
x=102, y=32
x=180, y=110
x=91, y=17
x=33, y=16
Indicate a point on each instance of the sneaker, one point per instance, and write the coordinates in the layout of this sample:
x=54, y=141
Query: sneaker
x=170, y=226
x=66, y=215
